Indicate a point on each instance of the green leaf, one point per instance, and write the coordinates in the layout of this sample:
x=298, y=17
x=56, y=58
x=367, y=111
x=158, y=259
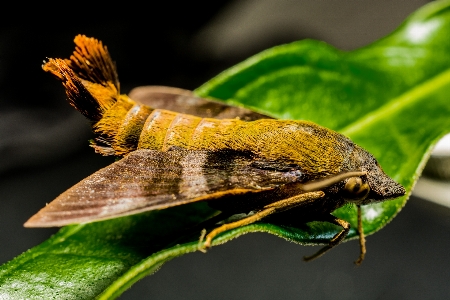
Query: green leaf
x=390, y=97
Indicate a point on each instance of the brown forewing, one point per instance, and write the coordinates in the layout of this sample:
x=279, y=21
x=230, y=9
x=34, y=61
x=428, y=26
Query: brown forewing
x=184, y=101
x=148, y=179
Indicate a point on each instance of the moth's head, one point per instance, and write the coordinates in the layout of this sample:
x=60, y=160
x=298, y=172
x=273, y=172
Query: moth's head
x=374, y=185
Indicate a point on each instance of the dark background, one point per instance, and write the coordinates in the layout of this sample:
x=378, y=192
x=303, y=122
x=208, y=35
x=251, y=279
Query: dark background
x=44, y=148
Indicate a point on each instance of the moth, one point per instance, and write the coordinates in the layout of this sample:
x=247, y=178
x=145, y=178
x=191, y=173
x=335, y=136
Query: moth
x=176, y=148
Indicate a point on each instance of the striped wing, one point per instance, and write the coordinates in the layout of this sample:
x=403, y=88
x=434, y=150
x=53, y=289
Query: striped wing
x=147, y=180
x=184, y=101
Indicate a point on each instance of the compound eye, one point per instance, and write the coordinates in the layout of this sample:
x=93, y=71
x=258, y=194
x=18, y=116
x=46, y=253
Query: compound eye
x=356, y=189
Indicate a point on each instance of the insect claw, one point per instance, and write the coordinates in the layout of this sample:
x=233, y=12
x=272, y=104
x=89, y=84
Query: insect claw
x=360, y=259
x=318, y=253
x=202, y=247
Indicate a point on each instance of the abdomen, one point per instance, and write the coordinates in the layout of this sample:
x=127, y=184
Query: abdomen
x=141, y=127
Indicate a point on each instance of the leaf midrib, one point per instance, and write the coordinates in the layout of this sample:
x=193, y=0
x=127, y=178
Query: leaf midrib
x=398, y=103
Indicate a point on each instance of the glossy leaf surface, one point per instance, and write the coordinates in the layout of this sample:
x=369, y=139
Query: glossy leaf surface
x=390, y=97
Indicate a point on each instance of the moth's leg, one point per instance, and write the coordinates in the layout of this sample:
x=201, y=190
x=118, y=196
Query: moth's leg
x=362, y=239
x=336, y=240
x=251, y=219
x=200, y=241
x=272, y=208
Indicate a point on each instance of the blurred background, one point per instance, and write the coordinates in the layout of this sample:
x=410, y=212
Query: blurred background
x=44, y=142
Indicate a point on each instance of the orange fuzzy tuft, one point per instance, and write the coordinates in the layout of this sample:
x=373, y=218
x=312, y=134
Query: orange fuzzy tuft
x=78, y=94
x=89, y=76
x=92, y=87
x=91, y=61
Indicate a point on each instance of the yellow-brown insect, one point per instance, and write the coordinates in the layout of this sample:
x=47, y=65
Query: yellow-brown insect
x=179, y=149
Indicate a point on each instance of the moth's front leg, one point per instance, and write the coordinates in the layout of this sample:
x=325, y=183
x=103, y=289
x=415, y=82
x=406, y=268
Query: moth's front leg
x=272, y=208
x=339, y=237
x=362, y=239
x=336, y=240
